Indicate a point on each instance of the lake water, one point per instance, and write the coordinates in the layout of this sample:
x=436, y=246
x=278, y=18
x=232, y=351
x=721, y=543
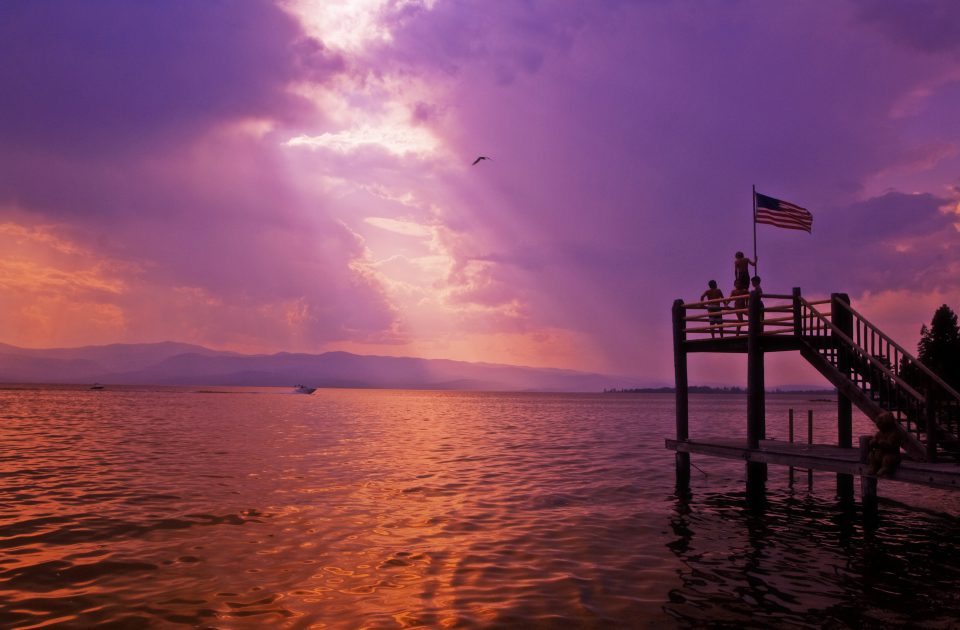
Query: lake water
x=255, y=508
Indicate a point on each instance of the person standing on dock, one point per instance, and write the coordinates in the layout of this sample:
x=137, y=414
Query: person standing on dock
x=741, y=270
x=715, y=310
x=739, y=298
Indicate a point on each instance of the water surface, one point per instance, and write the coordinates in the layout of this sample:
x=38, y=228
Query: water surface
x=253, y=508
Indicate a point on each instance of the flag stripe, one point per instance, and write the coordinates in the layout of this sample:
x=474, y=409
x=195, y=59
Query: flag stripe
x=783, y=217
x=792, y=225
x=775, y=216
x=771, y=211
x=763, y=216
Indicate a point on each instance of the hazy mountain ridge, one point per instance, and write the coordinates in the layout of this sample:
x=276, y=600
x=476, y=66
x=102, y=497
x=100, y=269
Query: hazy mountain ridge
x=171, y=363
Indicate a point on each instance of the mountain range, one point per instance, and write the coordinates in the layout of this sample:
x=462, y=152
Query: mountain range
x=171, y=363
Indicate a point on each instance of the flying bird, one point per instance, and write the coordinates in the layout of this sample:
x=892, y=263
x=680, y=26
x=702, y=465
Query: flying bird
x=482, y=157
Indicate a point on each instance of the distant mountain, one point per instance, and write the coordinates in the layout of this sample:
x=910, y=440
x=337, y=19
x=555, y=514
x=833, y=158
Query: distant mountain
x=114, y=357
x=171, y=363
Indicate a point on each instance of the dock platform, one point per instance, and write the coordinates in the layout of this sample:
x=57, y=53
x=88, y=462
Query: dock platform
x=819, y=457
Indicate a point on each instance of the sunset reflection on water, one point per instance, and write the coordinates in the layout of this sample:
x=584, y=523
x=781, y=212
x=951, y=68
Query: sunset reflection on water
x=348, y=508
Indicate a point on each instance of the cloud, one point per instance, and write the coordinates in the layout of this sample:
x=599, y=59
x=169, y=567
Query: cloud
x=397, y=137
x=113, y=77
x=287, y=176
x=928, y=25
x=408, y=228
x=626, y=151
x=152, y=135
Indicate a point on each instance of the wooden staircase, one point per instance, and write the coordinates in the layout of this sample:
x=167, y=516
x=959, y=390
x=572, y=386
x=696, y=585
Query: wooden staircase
x=876, y=374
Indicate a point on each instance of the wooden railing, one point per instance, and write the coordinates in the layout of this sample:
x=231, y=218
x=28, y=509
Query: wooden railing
x=941, y=401
x=868, y=372
x=725, y=317
x=894, y=380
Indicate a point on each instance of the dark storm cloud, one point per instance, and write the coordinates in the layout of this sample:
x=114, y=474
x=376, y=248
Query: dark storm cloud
x=114, y=76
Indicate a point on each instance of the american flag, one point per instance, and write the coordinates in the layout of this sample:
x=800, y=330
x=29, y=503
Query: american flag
x=782, y=214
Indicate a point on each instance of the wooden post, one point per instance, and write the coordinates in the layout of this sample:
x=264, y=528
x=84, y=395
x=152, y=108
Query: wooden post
x=682, y=393
x=797, y=313
x=809, y=441
x=930, y=420
x=790, y=427
x=756, y=430
x=868, y=483
x=843, y=319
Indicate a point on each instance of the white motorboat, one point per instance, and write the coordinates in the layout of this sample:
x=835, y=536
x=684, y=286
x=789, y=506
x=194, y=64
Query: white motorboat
x=303, y=389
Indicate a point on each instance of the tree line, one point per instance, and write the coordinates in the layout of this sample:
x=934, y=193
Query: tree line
x=938, y=349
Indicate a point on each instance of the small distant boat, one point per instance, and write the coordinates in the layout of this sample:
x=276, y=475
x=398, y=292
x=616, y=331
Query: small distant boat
x=303, y=389
x=96, y=386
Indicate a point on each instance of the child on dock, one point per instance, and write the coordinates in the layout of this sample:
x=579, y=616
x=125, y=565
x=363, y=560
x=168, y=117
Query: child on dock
x=714, y=310
x=741, y=271
x=885, y=446
x=739, y=298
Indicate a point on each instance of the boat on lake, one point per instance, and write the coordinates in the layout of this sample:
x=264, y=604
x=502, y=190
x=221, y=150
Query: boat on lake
x=303, y=389
x=96, y=386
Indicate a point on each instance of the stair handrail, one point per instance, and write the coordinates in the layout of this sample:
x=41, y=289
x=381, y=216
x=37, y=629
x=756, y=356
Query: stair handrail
x=849, y=341
x=923, y=368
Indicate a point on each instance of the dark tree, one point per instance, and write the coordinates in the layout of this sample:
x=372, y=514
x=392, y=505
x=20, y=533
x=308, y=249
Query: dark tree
x=939, y=347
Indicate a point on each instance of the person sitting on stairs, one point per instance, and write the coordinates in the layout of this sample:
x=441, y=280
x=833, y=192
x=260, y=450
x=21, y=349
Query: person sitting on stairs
x=885, y=446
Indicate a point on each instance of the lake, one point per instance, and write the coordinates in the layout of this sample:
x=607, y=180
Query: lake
x=256, y=508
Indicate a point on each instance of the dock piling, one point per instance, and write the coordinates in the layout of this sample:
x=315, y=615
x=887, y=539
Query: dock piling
x=790, y=425
x=868, y=483
x=682, y=394
x=810, y=442
x=756, y=421
x=843, y=319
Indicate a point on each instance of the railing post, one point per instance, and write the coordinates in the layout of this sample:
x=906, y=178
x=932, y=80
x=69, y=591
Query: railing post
x=843, y=319
x=797, y=313
x=756, y=471
x=681, y=390
x=868, y=483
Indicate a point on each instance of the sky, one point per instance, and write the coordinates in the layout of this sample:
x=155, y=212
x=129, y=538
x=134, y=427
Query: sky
x=295, y=175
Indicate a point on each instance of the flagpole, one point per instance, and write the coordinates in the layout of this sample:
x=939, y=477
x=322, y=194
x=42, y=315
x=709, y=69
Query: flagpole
x=756, y=269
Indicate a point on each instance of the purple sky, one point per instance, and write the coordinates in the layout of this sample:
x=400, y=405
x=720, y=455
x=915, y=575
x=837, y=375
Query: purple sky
x=295, y=175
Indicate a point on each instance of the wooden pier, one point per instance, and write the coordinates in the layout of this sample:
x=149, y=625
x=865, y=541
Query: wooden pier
x=823, y=457
x=867, y=368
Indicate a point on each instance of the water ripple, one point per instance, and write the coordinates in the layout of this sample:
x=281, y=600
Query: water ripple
x=347, y=509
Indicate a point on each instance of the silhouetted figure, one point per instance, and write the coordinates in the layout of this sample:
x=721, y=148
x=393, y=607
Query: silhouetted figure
x=739, y=298
x=741, y=271
x=755, y=286
x=714, y=310
x=885, y=446
x=480, y=159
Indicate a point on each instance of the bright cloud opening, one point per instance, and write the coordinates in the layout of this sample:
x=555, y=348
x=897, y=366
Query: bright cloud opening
x=349, y=25
x=397, y=138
